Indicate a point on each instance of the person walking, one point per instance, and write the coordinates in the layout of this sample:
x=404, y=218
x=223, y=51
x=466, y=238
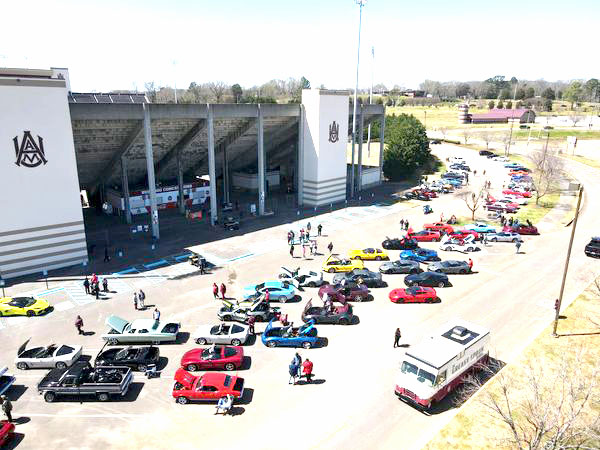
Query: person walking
x=106, y=257
x=406, y=225
x=470, y=264
x=292, y=250
x=304, y=250
x=485, y=239
x=518, y=245
x=86, y=285
x=202, y=265
x=215, y=291
x=135, y=300
x=251, y=322
x=94, y=278
x=397, y=336
x=319, y=229
x=6, y=407
x=307, y=368
x=105, y=284
x=308, y=227
x=293, y=371
x=402, y=224
x=289, y=237
x=223, y=290
x=97, y=290
x=79, y=325
x=330, y=247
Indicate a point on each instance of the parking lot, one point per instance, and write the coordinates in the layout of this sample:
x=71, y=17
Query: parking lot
x=352, y=401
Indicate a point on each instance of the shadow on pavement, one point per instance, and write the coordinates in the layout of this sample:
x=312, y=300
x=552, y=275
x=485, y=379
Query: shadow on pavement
x=14, y=442
x=246, y=363
x=16, y=391
x=247, y=397
x=162, y=363
x=182, y=337
x=315, y=381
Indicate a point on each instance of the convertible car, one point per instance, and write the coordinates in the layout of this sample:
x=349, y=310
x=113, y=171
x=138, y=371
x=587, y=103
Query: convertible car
x=23, y=306
x=414, y=294
x=400, y=266
x=207, y=387
x=450, y=266
x=140, y=330
x=341, y=315
x=225, y=333
x=136, y=358
x=429, y=279
x=279, y=291
x=304, y=336
x=217, y=357
x=368, y=254
x=460, y=245
x=334, y=264
x=59, y=356
x=260, y=309
x=399, y=244
x=302, y=277
x=349, y=291
x=420, y=255
x=360, y=276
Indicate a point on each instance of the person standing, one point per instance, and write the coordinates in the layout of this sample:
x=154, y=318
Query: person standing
x=485, y=239
x=97, y=290
x=304, y=250
x=402, y=224
x=156, y=315
x=94, y=278
x=79, y=325
x=293, y=371
x=307, y=368
x=86, y=285
x=292, y=250
x=215, y=291
x=406, y=225
x=298, y=361
x=135, y=300
x=308, y=227
x=330, y=247
x=7, y=407
x=319, y=229
x=251, y=322
x=289, y=237
x=105, y=284
x=397, y=336
x=202, y=264
x=518, y=245
x=223, y=290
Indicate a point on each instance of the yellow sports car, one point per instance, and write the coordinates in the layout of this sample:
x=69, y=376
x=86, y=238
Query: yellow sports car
x=334, y=264
x=368, y=253
x=23, y=306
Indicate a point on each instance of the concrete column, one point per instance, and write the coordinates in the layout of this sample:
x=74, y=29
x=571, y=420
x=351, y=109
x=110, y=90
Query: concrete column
x=150, y=171
x=211, y=163
x=261, y=164
x=361, y=125
x=225, y=176
x=180, y=196
x=300, y=158
x=125, y=187
x=381, y=145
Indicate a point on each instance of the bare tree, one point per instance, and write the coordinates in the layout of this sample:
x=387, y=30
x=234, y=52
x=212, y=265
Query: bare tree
x=575, y=118
x=487, y=137
x=505, y=139
x=218, y=90
x=474, y=200
x=546, y=173
x=547, y=407
x=151, y=91
x=466, y=134
x=444, y=132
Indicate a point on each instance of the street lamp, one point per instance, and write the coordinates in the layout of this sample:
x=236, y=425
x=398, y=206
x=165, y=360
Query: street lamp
x=360, y=3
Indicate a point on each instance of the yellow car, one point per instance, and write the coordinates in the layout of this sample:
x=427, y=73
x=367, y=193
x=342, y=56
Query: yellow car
x=23, y=306
x=368, y=253
x=334, y=264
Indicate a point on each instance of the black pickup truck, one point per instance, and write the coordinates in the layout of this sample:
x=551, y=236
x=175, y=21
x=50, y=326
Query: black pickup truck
x=81, y=379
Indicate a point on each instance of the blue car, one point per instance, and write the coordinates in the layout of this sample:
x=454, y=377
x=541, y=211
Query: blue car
x=480, y=227
x=279, y=291
x=512, y=165
x=304, y=336
x=420, y=255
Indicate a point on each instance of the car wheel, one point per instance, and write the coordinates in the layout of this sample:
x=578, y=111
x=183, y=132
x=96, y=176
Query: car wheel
x=470, y=249
x=182, y=400
x=49, y=397
x=30, y=313
x=448, y=249
x=22, y=366
x=378, y=258
x=358, y=298
x=271, y=344
x=227, y=318
x=201, y=341
x=103, y=396
x=344, y=321
x=142, y=367
x=462, y=271
x=191, y=367
x=514, y=241
x=283, y=299
x=306, y=345
x=236, y=342
x=113, y=341
x=61, y=365
x=357, y=257
x=441, y=284
x=332, y=270
x=312, y=284
x=229, y=366
x=494, y=239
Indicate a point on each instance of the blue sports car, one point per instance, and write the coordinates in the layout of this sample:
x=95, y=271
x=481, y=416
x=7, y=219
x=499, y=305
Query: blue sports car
x=305, y=336
x=480, y=227
x=279, y=291
x=420, y=255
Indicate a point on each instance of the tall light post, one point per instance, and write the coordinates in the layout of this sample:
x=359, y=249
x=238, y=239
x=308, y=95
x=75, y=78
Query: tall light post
x=371, y=99
x=360, y=4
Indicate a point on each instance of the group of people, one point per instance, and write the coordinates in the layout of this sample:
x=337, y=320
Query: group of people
x=304, y=240
x=404, y=224
x=298, y=369
x=92, y=286
x=138, y=300
x=222, y=289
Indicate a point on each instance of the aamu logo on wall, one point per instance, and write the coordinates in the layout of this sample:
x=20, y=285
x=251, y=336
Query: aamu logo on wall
x=334, y=132
x=29, y=153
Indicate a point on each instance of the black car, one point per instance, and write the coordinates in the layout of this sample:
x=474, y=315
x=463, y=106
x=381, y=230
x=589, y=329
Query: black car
x=136, y=358
x=409, y=195
x=435, y=141
x=486, y=153
x=430, y=279
x=593, y=248
x=400, y=266
x=399, y=244
x=360, y=276
x=339, y=315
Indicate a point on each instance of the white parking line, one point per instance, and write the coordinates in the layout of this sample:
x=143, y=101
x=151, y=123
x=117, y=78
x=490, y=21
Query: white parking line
x=82, y=416
x=63, y=306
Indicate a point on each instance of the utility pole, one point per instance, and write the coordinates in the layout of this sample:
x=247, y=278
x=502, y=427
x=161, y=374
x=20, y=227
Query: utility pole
x=360, y=3
x=512, y=121
x=371, y=100
x=564, y=277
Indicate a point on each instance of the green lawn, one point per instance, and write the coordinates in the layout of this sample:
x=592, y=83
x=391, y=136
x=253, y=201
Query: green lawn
x=557, y=134
x=534, y=212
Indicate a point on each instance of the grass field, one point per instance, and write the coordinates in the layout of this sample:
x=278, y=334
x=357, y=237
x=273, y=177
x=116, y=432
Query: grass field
x=557, y=134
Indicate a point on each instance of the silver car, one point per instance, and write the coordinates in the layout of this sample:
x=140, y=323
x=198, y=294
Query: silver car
x=401, y=266
x=504, y=236
x=50, y=357
x=225, y=333
x=450, y=266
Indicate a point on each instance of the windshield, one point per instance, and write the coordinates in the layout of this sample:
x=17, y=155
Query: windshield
x=422, y=375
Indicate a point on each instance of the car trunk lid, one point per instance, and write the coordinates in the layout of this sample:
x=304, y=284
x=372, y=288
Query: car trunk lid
x=116, y=323
x=23, y=347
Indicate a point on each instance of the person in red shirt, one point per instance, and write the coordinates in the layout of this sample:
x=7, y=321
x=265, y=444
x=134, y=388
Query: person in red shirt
x=251, y=322
x=215, y=290
x=307, y=368
x=267, y=296
x=223, y=290
x=470, y=263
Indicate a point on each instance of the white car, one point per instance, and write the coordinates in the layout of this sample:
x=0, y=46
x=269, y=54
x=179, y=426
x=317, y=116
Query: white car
x=302, y=277
x=50, y=357
x=224, y=333
x=515, y=199
x=453, y=245
x=501, y=159
x=504, y=236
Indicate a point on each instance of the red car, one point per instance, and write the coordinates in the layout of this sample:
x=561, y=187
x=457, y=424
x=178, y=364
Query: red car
x=517, y=193
x=430, y=194
x=7, y=430
x=349, y=292
x=208, y=387
x=522, y=229
x=216, y=357
x=425, y=236
x=414, y=294
x=462, y=234
x=439, y=226
x=507, y=202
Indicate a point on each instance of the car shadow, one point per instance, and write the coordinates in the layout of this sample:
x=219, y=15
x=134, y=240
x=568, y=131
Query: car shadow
x=296, y=299
x=247, y=397
x=22, y=420
x=15, y=392
x=315, y=381
x=251, y=340
x=382, y=285
x=246, y=363
x=236, y=411
x=14, y=442
x=182, y=337
x=322, y=342
x=355, y=320
x=162, y=363
x=132, y=393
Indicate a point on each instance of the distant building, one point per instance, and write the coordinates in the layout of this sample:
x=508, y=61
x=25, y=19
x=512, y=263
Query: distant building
x=412, y=93
x=503, y=116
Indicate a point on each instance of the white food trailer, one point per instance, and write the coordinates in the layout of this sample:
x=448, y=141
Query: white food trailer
x=437, y=365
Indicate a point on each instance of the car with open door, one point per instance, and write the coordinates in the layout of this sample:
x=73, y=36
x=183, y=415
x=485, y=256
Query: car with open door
x=48, y=357
x=289, y=336
x=338, y=314
x=136, y=358
x=140, y=331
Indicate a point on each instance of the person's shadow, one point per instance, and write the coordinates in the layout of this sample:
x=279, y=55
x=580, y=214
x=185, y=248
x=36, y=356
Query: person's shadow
x=89, y=333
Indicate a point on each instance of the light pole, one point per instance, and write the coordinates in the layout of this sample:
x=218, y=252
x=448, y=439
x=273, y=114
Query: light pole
x=371, y=100
x=360, y=4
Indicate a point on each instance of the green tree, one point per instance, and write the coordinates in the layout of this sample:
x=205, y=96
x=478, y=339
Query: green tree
x=547, y=104
x=463, y=89
x=592, y=89
x=504, y=94
x=407, y=146
x=521, y=94
x=573, y=93
x=509, y=105
x=491, y=104
x=236, y=92
x=500, y=104
x=548, y=94
x=530, y=92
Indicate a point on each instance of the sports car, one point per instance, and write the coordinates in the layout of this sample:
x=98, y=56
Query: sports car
x=517, y=193
x=522, y=229
x=456, y=245
x=349, y=291
x=6, y=380
x=450, y=266
x=334, y=264
x=225, y=333
x=399, y=244
x=480, y=227
x=23, y=306
x=507, y=202
x=368, y=254
x=7, y=431
x=140, y=330
x=136, y=358
x=414, y=294
x=340, y=315
x=216, y=357
x=429, y=279
x=439, y=226
x=420, y=255
x=360, y=276
x=279, y=291
x=59, y=356
x=505, y=236
x=302, y=277
x=501, y=208
x=425, y=236
x=400, y=266
x=208, y=387
x=260, y=309
x=305, y=336
x=462, y=234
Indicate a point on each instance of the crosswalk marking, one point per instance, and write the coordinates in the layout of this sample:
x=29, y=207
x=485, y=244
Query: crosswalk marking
x=15, y=321
x=118, y=285
x=76, y=292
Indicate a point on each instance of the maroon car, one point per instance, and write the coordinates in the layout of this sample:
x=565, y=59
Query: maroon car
x=347, y=292
x=522, y=229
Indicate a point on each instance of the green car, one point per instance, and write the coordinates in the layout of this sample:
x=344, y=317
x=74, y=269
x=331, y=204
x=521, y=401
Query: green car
x=140, y=331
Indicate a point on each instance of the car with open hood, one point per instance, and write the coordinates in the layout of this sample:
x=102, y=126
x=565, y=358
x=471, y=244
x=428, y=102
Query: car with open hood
x=136, y=358
x=140, y=331
x=289, y=336
x=208, y=387
x=223, y=333
x=302, y=277
x=459, y=245
x=338, y=314
x=347, y=292
x=360, y=276
x=368, y=254
x=400, y=266
x=399, y=244
x=260, y=309
x=215, y=357
x=450, y=266
x=279, y=291
x=6, y=380
x=48, y=357
x=23, y=306
x=335, y=264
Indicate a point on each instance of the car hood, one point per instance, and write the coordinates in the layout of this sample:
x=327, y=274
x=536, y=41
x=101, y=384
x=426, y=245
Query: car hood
x=193, y=354
x=23, y=347
x=116, y=323
x=185, y=378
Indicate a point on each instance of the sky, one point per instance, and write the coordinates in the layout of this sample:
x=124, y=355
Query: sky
x=121, y=44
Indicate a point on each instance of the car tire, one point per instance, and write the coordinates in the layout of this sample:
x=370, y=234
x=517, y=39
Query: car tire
x=494, y=239
x=357, y=257
x=191, y=367
x=331, y=270
x=49, y=397
x=344, y=322
x=306, y=345
x=271, y=344
x=462, y=271
x=142, y=367
x=236, y=342
x=201, y=341
x=182, y=400
x=515, y=241
x=448, y=249
x=22, y=366
x=113, y=341
x=358, y=298
x=103, y=397
x=312, y=284
x=378, y=258
x=282, y=299
x=441, y=284
x=227, y=318
x=230, y=366
x=470, y=249
x=61, y=365
x=30, y=313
